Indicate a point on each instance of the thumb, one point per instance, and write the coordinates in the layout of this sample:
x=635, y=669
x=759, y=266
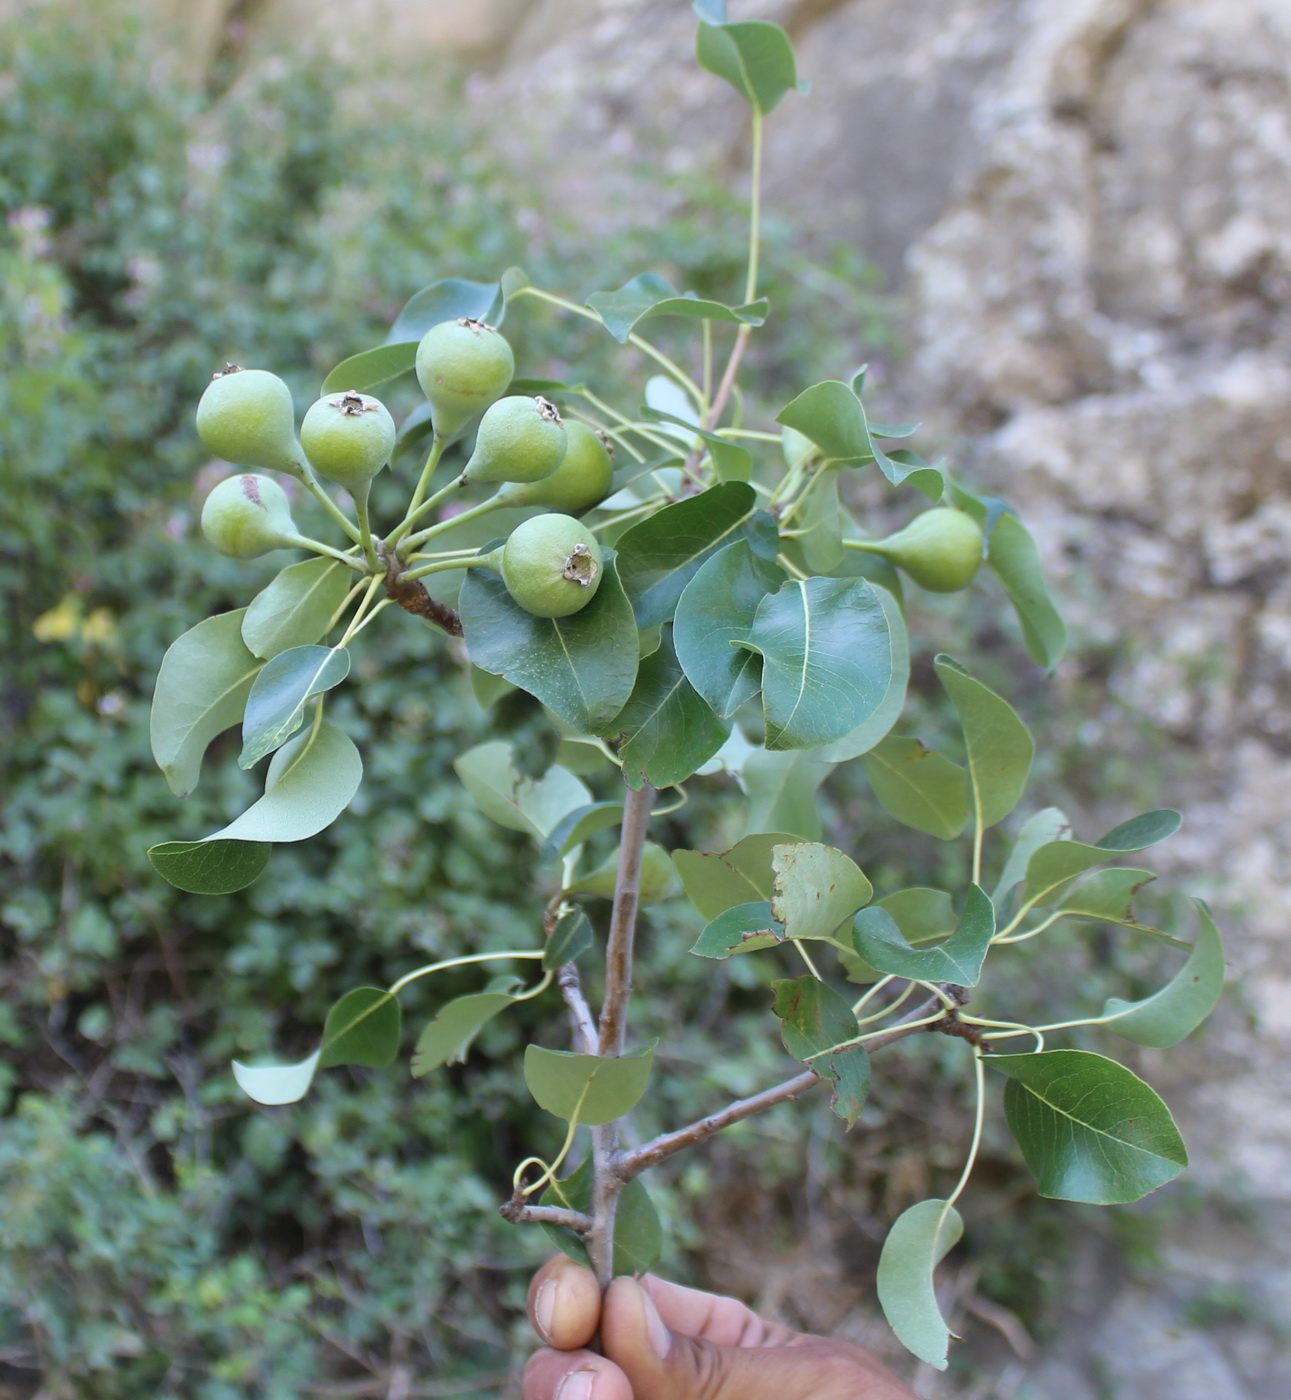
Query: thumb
x=666, y=1365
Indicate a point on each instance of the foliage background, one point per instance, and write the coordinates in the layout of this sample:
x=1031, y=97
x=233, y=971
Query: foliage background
x=158, y=1235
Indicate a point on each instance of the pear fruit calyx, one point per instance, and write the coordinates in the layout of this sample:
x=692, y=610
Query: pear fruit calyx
x=581, y=481
x=247, y=516
x=941, y=549
x=552, y=565
x=348, y=438
x=246, y=417
x=462, y=367
x=519, y=439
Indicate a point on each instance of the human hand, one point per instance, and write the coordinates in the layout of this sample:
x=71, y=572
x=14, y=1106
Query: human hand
x=665, y=1342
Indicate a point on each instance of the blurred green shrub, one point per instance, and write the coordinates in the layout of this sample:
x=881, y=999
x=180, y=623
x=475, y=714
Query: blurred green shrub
x=158, y=1236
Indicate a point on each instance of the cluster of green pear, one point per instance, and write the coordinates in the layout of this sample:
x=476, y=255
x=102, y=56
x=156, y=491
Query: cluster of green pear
x=551, y=564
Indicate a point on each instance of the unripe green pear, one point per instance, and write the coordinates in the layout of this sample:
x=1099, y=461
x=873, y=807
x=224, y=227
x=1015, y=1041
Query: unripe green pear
x=462, y=367
x=519, y=439
x=246, y=417
x=247, y=516
x=658, y=880
x=348, y=438
x=551, y=565
x=581, y=481
x=941, y=549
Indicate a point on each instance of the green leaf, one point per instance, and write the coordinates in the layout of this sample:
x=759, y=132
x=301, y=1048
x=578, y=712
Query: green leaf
x=296, y=607
x=733, y=462
x=651, y=295
x=716, y=608
x=370, y=369
x=452, y=299
x=571, y=937
x=715, y=882
x=916, y=1244
x=204, y=681
x=781, y=788
x=592, y=1088
x=918, y=787
x=501, y=792
x=826, y=659
x=880, y=941
x=579, y=825
x=638, y=1232
x=276, y=706
x=921, y=913
x=1000, y=747
x=1184, y=1002
x=447, y=1039
x=1052, y=866
x=274, y=1085
x=816, y=889
x=658, y=557
x=832, y=416
x=362, y=1029
x=310, y=783
x=666, y=730
x=1015, y=558
x=816, y=1018
x=756, y=58
x=821, y=519
x=879, y=724
x=1047, y=825
x=582, y=667
x=746, y=928
x=210, y=867
x=1107, y=897
x=1089, y=1129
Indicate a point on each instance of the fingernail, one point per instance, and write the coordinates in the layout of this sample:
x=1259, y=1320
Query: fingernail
x=657, y=1334
x=544, y=1309
x=577, y=1386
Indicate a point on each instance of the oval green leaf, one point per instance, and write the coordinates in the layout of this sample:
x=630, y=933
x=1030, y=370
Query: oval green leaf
x=881, y=942
x=296, y=607
x=815, y=889
x=1054, y=865
x=571, y=937
x=717, y=881
x=827, y=664
x=666, y=730
x=649, y=295
x=362, y=1029
x=658, y=557
x=276, y=706
x=781, y=789
x=744, y=929
x=274, y=1085
x=879, y=724
x=446, y=1039
x=916, y=1244
x=370, y=369
x=1089, y=1129
x=756, y=58
x=309, y=784
x=582, y=667
x=205, y=678
x=1014, y=557
x=452, y=299
x=1184, y=1002
x=814, y=1019
x=210, y=867
x=514, y=801
x=717, y=608
x=1000, y=747
x=590, y=1088
x=918, y=787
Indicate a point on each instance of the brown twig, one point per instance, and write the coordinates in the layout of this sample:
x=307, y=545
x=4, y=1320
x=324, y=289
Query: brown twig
x=580, y=1014
x=630, y=1164
x=718, y=406
x=623, y=921
x=411, y=595
x=517, y=1210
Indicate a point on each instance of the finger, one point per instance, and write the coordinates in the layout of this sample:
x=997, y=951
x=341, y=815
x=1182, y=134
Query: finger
x=573, y=1375
x=564, y=1304
x=662, y=1364
x=725, y=1321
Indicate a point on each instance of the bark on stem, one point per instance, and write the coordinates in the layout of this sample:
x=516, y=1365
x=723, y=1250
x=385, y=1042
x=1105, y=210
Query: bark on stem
x=606, y=1183
x=631, y=1164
